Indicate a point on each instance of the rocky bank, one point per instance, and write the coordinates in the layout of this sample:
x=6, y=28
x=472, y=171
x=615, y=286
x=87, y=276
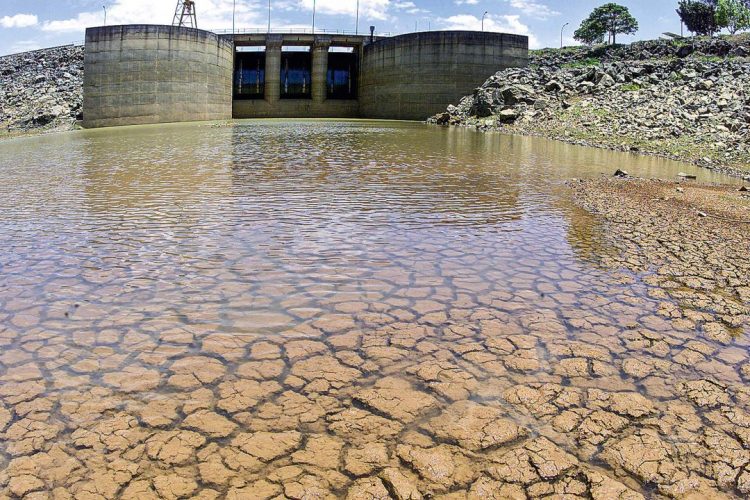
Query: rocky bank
x=686, y=99
x=41, y=90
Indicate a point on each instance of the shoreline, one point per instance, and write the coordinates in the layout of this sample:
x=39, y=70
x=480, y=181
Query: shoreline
x=691, y=240
x=37, y=132
x=722, y=169
x=683, y=100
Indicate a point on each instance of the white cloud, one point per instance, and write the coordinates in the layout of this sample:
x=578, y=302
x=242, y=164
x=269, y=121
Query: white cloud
x=466, y=2
x=211, y=14
x=19, y=21
x=504, y=24
x=409, y=8
x=533, y=8
x=373, y=9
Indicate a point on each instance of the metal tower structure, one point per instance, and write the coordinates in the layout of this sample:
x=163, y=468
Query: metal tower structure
x=184, y=14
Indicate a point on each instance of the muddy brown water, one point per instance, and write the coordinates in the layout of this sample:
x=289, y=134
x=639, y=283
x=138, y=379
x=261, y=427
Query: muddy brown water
x=328, y=309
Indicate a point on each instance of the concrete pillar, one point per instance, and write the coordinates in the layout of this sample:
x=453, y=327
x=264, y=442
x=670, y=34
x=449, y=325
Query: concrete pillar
x=320, y=68
x=273, y=68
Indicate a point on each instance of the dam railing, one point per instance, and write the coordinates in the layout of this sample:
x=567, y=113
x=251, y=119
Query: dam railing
x=297, y=31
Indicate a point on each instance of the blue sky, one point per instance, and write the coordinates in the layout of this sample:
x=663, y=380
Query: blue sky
x=29, y=24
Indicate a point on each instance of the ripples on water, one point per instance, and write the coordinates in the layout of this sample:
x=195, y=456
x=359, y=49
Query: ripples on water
x=229, y=310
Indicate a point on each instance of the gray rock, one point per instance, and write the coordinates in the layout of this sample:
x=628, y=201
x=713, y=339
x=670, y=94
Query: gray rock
x=705, y=85
x=41, y=89
x=688, y=74
x=684, y=51
x=553, y=86
x=701, y=100
x=507, y=115
x=606, y=81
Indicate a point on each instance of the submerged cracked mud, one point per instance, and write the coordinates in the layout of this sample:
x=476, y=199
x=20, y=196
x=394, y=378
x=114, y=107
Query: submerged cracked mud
x=488, y=345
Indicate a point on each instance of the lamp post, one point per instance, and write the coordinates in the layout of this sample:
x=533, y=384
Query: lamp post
x=234, y=10
x=356, y=23
x=561, y=34
x=483, y=16
x=269, y=16
x=313, y=24
x=105, y=14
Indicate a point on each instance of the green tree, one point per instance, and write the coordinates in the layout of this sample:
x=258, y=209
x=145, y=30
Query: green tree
x=732, y=15
x=590, y=32
x=699, y=16
x=609, y=19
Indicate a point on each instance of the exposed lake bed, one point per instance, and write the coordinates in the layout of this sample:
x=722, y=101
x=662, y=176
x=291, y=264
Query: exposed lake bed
x=362, y=309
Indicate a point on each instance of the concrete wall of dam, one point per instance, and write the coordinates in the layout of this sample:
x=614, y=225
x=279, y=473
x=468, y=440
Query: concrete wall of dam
x=149, y=74
x=414, y=76
x=139, y=74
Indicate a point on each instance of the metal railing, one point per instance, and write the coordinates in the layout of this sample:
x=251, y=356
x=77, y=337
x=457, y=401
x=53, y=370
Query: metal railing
x=295, y=31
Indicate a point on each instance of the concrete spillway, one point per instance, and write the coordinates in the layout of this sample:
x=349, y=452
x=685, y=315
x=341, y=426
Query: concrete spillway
x=138, y=74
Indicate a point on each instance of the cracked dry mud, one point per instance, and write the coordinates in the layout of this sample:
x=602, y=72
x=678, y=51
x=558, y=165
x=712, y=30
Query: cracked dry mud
x=462, y=363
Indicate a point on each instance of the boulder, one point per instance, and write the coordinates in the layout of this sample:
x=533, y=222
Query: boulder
x=482, y=106
x=553, y=86
x=507, y=115
x=606, y=81
x=705, y=84
x=684, y=51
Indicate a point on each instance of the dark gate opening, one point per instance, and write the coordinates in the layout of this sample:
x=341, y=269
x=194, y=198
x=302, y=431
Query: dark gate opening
x=341, y=81
x=249, y=75
x=296, y=68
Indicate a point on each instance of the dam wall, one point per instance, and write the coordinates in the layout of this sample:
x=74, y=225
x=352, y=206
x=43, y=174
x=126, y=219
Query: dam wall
x=413, y=76
x=138, y=74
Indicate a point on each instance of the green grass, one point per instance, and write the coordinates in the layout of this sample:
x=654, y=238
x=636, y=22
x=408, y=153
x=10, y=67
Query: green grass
x=630, y=87
x=583, y=63
x=711, y=58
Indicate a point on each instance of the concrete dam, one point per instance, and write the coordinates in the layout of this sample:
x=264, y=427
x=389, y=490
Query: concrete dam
x=139, y=74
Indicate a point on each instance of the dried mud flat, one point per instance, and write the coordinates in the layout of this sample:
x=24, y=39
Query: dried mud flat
x=691, y=243
x=430, y=373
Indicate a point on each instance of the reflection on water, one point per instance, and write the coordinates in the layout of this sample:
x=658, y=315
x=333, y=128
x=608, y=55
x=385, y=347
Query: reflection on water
x=317, y=309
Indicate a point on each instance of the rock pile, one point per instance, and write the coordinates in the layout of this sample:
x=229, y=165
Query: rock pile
x=684, y=100
x=42, y=89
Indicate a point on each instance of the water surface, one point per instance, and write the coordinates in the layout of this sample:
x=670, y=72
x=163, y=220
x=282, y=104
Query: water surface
x=320, y=309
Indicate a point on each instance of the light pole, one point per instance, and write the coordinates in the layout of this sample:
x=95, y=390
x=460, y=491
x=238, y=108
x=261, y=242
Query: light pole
x=356, y=23
x=234, y=10
x=105, y=14
x=483, y=16
x=313, y=26
x=269, y=16
x=561, y=34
